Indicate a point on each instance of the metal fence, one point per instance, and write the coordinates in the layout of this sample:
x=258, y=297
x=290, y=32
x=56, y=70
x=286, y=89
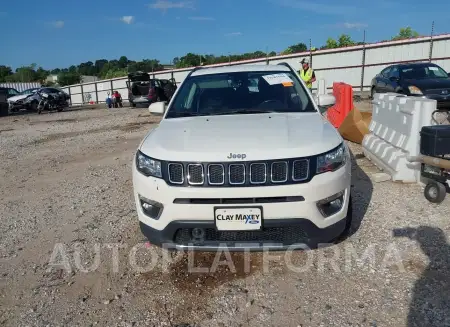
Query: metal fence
x=21, y=86
x=355, y=65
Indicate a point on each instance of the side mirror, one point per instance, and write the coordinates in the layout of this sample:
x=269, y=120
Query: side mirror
x=325, y=100
x=394, y=79
x=157, y=108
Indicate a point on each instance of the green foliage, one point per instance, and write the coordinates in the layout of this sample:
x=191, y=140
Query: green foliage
x=300, y=47
x=68, y=78
x=405, y=33
x=105, y=69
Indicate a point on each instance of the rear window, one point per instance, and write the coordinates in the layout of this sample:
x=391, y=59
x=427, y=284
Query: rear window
x=272, y=91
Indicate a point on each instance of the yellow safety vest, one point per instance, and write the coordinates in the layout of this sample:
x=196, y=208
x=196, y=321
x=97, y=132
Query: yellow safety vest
x=306, y=76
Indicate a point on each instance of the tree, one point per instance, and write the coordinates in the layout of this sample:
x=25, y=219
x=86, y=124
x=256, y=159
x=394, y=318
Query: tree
x=123, y=62
x=299, y=47
x=5, y=71
x=68, y=78
x=331, y=44
x=405, y=33
x=345, y=41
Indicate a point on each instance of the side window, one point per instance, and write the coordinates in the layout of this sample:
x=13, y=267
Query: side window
x=385, y=72
x=394, y=72
x=12, y=92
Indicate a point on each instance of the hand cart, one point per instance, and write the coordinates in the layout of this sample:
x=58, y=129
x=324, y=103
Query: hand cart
x=435, y=161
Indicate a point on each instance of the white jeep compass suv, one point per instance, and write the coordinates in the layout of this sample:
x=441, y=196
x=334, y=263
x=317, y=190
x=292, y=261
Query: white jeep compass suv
x=242, y=159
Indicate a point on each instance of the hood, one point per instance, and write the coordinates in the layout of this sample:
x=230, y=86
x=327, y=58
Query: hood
x=258, y=136
x=18, y=97
x=429, y=84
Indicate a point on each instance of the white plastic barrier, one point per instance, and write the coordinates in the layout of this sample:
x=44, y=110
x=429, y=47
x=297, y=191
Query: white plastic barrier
x=395, y=134
x=321, y=87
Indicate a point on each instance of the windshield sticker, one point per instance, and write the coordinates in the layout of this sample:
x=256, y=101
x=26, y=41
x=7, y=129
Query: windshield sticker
x=433, y=68
x=278, y=79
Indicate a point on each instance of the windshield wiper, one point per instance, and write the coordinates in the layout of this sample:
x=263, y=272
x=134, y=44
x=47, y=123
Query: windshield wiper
x=187, y=114
x=244, y=111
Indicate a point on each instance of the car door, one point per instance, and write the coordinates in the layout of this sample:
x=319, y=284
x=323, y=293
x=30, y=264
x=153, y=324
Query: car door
x=382, y=80
x=392, y=83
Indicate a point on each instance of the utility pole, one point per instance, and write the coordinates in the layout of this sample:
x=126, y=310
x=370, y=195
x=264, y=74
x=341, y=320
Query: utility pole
x=431, y=42
x=363, y=61
x=310, y=52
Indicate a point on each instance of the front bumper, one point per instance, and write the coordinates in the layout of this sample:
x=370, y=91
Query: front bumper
x=296, y=221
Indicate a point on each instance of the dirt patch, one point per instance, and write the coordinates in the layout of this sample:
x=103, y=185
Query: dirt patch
x=205, y=271
x=194, y=277
x=67, y=120
x=130, y=127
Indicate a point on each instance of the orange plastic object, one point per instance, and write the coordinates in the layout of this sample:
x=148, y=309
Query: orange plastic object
x=344, y=103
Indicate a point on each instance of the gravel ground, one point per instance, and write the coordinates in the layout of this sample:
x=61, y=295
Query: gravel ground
x=66, y=196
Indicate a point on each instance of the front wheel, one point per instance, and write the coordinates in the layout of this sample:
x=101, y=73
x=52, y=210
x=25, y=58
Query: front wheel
x=33, y=106
x=435, y=192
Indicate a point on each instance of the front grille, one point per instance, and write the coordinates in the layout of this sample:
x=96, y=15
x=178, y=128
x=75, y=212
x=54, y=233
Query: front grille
x=283, y=235
x=176, y=175
x=258, y=173
x=300, y=170
x=243, y=174
x=216, y=174
x=236, y=174
x=195, y=174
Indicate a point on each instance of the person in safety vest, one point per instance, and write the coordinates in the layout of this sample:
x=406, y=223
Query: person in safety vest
x=307, y=73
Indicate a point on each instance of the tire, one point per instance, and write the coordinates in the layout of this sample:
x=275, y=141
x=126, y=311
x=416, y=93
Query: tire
x=133, y=105
x=435, y=192
x=348, y=220
x=60, y=109
x=33, y=106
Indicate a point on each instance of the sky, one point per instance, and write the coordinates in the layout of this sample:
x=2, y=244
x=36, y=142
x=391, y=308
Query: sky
x=57, y=34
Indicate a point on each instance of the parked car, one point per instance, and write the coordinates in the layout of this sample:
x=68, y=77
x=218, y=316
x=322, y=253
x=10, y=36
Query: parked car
x=415, y=79
x=246, y=169
x=29, y=99
x=144, y=90
x=10, y=92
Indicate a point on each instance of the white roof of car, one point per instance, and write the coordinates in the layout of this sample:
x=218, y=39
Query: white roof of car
x=239, y=68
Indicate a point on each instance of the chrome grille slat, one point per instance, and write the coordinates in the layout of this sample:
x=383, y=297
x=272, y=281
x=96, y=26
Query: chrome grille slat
x=195, y=174
x=300, y=170
x=236, y=174
x=176, y=173
x=271, y=172
x=216, y=174
x=279, y=172
x=258, y=173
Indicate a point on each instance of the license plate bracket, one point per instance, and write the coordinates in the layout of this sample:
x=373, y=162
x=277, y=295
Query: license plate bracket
x=238, y=218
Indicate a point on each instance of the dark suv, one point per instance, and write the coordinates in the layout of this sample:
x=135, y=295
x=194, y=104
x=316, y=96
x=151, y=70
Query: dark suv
x=144, y=90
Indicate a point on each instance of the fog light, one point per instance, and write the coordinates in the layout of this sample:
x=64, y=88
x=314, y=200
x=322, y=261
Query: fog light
x=331, y=205
x=151, y=208
x=198, y=233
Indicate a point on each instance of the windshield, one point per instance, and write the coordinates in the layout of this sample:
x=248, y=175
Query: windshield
x=423, y=72
x=28, y=91
x=240, y=93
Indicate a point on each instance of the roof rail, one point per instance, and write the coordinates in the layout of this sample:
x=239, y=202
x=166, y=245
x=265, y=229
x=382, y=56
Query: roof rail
x=288, y=66
x=194, y=70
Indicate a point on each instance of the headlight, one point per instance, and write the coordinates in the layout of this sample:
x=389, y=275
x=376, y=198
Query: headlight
x=415, y=90
x=147, y=165
x=332, y=160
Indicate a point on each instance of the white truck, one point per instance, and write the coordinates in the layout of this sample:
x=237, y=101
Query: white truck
x=241, y=167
